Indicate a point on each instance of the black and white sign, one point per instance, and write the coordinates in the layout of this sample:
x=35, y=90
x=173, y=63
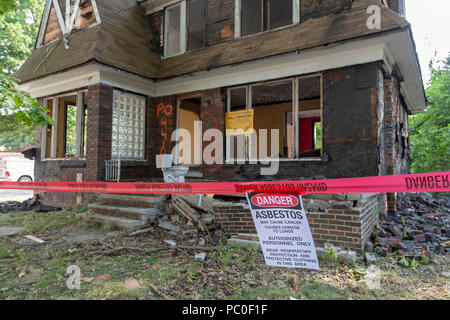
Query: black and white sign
x=283, y=230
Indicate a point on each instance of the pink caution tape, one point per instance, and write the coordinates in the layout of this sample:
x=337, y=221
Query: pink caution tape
x=429, y=182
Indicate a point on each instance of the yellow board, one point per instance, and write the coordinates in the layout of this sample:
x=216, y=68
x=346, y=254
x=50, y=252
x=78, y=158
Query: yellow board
x=239, y=122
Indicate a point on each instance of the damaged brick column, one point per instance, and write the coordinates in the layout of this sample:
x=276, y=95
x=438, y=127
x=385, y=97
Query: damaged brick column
x=99, y=100
x=213, y=117
x=393, y=109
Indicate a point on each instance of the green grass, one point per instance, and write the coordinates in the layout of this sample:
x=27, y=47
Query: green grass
x=318, y=290
x=34, y=222
x=228, y=273
x=269, y=292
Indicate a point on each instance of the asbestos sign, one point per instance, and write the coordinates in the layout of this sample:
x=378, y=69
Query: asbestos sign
x=239, y=122
x=283, y=230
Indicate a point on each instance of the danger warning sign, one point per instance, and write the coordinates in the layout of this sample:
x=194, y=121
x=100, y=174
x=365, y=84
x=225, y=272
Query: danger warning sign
x=283, y=230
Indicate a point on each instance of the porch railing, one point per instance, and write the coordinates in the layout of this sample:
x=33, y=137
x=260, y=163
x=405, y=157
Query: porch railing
x=112, y=170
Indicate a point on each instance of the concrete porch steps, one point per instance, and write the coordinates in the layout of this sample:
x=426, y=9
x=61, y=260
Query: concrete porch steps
x=118, y=223
x=126, y=212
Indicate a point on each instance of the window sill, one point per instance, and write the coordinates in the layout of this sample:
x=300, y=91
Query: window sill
x=247, y=161
x=64, y=159
x=267, y=31
x=132, y=163
x=173, y=55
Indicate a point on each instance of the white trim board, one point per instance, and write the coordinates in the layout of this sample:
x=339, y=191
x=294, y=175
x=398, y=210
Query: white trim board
x=387, y=48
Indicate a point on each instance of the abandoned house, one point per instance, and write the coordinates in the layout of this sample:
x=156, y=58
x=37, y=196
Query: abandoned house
x=119, y=76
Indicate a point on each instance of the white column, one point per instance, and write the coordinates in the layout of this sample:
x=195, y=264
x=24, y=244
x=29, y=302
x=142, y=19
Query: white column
x=183, y=26
x=80, y=125
x=54, y=146
x=296, y=11
x=237, y=19
x=44, y=136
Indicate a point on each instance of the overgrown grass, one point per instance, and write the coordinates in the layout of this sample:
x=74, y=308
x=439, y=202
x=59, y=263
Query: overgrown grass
x=228, y=273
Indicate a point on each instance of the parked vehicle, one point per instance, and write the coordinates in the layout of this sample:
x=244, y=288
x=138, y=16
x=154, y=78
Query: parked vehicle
x=16, y=169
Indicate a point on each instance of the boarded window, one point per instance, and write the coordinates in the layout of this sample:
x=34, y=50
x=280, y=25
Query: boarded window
x=196, y=24
x=128, y=127
x=173, y=30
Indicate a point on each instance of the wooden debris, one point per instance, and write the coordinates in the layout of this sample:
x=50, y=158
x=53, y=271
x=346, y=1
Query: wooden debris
x=158, y=292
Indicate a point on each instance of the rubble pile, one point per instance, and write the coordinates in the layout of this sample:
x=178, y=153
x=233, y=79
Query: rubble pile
x=190, y=225
x=421, y=228
x=32, y=204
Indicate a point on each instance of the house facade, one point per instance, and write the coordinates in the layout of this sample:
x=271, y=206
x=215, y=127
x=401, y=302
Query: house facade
x=337, y=79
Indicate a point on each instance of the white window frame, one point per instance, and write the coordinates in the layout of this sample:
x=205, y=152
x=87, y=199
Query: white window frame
x=295, y=112
x=237, y=18
x=183, y=29
x=79, y=143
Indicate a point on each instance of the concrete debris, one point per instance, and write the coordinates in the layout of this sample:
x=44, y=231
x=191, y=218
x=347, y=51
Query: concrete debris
x=170, y=243
x=207, y=218
x=31, y=277
x=201, y=242
x=370, y=258
x=347, y=257
x=421, y=228
x=33, y=238
x=200, y=256
x=236, y=242
x=446, y=274
x=9, y=231
x=168, y=225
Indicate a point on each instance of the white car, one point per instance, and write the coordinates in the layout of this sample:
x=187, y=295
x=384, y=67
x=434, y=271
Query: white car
x=16, y=169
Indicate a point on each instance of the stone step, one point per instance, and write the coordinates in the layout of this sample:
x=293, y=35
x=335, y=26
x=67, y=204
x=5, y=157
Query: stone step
x=140, y=214
x=137, y=201
x=124, y=224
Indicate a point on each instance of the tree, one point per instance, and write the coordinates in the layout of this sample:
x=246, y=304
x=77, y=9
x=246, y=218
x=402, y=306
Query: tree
x=19, y=113
x=18, y=30
x=430, y=131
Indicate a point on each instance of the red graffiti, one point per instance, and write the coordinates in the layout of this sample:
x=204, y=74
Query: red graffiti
x=163, y=111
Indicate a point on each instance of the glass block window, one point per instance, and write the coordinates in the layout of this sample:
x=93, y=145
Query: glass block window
x=128, y=127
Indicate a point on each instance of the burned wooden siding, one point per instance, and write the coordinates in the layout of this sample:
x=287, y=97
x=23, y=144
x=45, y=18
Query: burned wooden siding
x=53, y=28
x=157, y=26
x=317, y=9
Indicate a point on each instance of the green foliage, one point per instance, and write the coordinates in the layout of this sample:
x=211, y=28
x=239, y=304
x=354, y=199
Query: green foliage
x=331, y=253
x=18, y=30
x=358, y=273
x=7, y=5
x=19, y=113
x=18, y=110
x=430, y=131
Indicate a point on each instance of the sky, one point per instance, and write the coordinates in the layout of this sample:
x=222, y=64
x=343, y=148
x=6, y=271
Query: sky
x=430, y=21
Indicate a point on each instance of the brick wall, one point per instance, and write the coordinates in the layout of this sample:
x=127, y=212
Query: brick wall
x=346, y=223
